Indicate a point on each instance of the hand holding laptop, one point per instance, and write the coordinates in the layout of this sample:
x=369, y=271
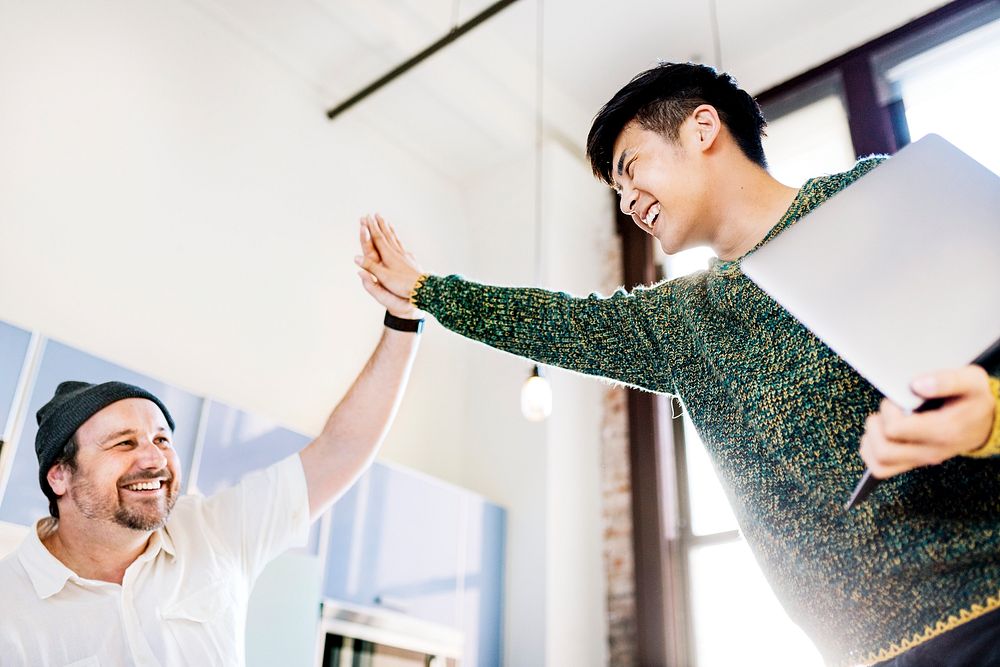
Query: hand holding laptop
x=896, y=441
x=911, y=251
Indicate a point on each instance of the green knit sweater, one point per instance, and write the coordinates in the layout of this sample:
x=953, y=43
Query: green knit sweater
x=781, y=416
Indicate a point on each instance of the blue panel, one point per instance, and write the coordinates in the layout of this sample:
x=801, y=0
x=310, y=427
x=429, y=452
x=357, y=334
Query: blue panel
x=24, y=503
x=408, y=557
x=283, y=613
x=237, y=443
x=484, y=585
x=342, y=563
x=13, y=347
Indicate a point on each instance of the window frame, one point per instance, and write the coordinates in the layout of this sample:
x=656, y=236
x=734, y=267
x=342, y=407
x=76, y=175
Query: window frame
x=875, y=112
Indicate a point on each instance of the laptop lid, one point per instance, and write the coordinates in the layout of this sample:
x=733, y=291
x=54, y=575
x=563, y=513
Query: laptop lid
x=899, y=273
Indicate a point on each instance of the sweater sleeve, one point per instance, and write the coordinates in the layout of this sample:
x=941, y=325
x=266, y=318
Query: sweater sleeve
x=604, y=336
x=992, y=446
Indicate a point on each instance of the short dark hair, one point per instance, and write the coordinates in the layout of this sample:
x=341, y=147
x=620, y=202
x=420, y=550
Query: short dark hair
x=662, y=98
x=66, y=457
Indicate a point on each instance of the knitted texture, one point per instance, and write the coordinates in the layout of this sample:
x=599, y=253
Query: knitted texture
x=781, y=416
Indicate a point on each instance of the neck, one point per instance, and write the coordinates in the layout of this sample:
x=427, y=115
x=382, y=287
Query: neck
x=95, y=550
x=749, y=202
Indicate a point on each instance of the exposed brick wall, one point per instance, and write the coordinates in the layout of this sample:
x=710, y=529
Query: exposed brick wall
x=619, y=564
x=616, y=489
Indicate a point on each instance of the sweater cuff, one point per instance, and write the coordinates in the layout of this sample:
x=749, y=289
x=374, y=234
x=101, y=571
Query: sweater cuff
x=992, y=446
x=417, y=286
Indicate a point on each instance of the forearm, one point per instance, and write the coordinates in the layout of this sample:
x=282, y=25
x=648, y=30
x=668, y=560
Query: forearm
x=359, y=423
x=604, y=336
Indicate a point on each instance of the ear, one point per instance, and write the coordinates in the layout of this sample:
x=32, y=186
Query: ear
x=706, y=126
x=58, y=478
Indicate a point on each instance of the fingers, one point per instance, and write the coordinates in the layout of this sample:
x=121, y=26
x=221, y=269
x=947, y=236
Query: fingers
x=364, y=262
x=886, y=457
x=372, y=264
x=390, y=233
x=951, y=382
x=367, y=247
x=908, y=427
x=384, y=242
x=379, y=239
x=396, y=270
x=369, y=264
x=870, y=446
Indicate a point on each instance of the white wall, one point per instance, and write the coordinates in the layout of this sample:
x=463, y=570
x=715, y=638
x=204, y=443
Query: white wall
x=174, y=200
x=505, y=456
x=548, y=474
x=577, y=243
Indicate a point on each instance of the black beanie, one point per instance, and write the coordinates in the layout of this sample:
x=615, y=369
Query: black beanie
x=74, y=403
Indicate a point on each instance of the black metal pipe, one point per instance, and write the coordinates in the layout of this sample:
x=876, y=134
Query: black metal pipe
x=401, y=69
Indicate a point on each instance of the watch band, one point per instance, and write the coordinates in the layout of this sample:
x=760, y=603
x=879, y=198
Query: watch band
x=403, y=324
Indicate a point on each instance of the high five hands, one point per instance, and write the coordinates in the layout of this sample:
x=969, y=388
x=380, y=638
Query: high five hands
x=388, y=271
x=894, y=441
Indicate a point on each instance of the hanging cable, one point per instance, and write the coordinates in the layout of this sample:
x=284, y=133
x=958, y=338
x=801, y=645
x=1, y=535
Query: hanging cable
x=713, y=7
x=539, y=131
x=536, y=394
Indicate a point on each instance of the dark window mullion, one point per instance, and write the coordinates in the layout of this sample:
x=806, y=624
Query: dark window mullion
x=682, y=543
x=870, y=123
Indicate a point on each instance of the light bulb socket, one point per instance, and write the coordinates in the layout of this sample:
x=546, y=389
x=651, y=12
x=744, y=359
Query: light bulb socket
x=536, y=396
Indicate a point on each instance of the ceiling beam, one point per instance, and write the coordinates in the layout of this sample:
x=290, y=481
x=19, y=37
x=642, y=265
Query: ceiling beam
x=404, y=67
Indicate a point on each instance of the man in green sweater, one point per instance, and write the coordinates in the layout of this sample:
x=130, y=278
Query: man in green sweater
x=911, y=577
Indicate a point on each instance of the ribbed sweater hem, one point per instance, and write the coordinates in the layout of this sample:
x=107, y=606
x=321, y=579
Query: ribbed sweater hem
x=931, y=631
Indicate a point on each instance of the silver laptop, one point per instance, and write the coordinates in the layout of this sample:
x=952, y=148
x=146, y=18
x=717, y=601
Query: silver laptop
x=899, y=273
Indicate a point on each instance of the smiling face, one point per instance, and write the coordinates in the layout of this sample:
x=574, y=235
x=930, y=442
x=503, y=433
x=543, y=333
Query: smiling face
x=663, y=183
x=126, y=468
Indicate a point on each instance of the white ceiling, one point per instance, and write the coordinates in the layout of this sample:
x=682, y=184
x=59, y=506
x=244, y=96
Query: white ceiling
x=471, y=106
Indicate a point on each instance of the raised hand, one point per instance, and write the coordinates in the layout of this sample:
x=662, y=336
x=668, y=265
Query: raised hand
x=372, y=262
x=399, y=306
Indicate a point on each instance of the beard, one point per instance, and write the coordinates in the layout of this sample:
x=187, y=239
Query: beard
x=142, y=514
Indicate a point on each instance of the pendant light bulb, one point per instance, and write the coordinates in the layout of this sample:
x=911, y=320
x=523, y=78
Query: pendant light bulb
x=536, y=396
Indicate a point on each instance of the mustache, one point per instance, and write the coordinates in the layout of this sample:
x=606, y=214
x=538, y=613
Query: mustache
x=163, y=474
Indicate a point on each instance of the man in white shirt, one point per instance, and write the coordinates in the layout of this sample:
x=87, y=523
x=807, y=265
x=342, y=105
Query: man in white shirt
x=125, y=572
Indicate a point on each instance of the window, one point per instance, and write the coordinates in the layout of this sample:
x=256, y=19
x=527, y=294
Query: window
x=725, y=587
x=808, y=134
x=941, y=88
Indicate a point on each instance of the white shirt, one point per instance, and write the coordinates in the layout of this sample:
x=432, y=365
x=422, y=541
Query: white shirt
x=182, y=602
